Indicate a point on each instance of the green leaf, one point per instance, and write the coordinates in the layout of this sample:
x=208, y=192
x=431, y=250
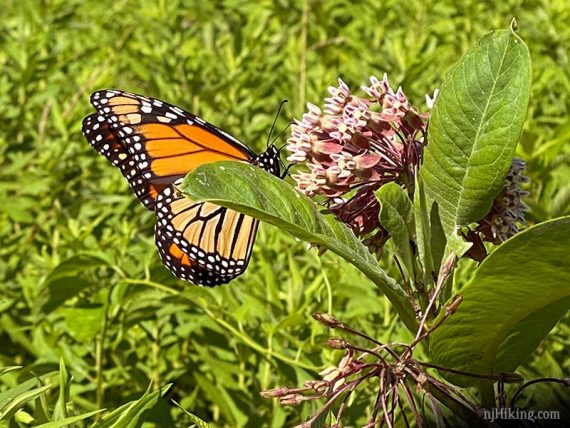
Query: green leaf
x=249, y=189
x=8, y=396
x=423, y=232
x=60, y=410
x=515, y=298
x=91, y=321
x=200, y=423
x=74, y=266
x=68, y=421
x=57, y=292
x=23, y=417
x=438, y=240
x=129, y=415
x=197, y=421
x=397, y=217
x=9, y=369
x=65, y=281
x=475, y=126
x=9, y=408
x=220, y=396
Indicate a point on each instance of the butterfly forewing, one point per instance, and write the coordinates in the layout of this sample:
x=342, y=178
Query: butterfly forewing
x=103, y=139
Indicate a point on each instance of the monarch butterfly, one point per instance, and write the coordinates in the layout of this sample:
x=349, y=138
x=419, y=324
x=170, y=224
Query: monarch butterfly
x=155, y=144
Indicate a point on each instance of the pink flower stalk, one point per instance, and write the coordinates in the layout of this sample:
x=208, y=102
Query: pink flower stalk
x=355, y=145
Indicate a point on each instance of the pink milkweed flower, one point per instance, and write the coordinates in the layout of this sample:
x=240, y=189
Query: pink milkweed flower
x=356, y=144
x=508, y=209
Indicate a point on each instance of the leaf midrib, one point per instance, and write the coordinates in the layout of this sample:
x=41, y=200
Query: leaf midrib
x=476, y=139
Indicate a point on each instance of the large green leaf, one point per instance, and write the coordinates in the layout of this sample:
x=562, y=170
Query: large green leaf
x=515, y=298
x=475, y=126
x=249, y=189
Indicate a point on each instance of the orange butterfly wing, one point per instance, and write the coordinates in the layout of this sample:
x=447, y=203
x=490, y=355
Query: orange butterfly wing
x=164, y=141
x=155, y=144
x=202, y=242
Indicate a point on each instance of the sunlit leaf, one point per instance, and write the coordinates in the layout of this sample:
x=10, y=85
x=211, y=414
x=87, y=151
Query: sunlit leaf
x=475, y=126
x=251, y=190
x=516, y=297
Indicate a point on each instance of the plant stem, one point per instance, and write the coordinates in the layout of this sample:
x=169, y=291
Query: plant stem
x=466, y=413
x=303, y=55
x=518, y=392
x=244, y=338
x=99, y=348
x=487, y=392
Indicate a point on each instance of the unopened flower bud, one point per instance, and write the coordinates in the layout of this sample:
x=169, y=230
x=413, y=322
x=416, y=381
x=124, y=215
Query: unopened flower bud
x=337, y=343
x=330, y=374
x=275, y=392
x=511, y=378
x=326, y=319
x=316, y=385
x=447, y=267
x=291, y=400
x=452, y=307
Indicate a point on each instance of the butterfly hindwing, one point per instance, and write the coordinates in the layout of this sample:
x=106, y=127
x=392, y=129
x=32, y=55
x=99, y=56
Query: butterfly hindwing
x=202, y=242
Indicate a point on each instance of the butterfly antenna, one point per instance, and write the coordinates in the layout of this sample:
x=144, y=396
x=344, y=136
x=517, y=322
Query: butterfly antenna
x=275, y=121
x=279, y=135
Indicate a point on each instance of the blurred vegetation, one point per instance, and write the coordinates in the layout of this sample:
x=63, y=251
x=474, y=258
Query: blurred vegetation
x=80, y=278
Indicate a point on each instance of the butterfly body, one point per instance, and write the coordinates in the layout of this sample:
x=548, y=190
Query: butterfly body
x=155, y=144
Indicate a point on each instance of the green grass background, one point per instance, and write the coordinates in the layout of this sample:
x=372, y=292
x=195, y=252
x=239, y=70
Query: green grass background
x=79, y=274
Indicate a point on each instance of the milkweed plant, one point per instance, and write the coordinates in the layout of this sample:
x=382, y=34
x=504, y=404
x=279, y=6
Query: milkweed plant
x=438, y=185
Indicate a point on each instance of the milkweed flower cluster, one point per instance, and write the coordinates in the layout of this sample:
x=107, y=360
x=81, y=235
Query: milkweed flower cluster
x=355, y=145
x=508, y=209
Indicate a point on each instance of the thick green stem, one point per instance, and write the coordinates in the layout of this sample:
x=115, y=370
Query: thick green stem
x=487, y=391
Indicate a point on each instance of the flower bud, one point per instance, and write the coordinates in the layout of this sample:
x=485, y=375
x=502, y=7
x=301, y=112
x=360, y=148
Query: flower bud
x=275, y=392
x=511, y=378
x=452, y=307
x=291, y=400
x=337, y=343
x=326, y=319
